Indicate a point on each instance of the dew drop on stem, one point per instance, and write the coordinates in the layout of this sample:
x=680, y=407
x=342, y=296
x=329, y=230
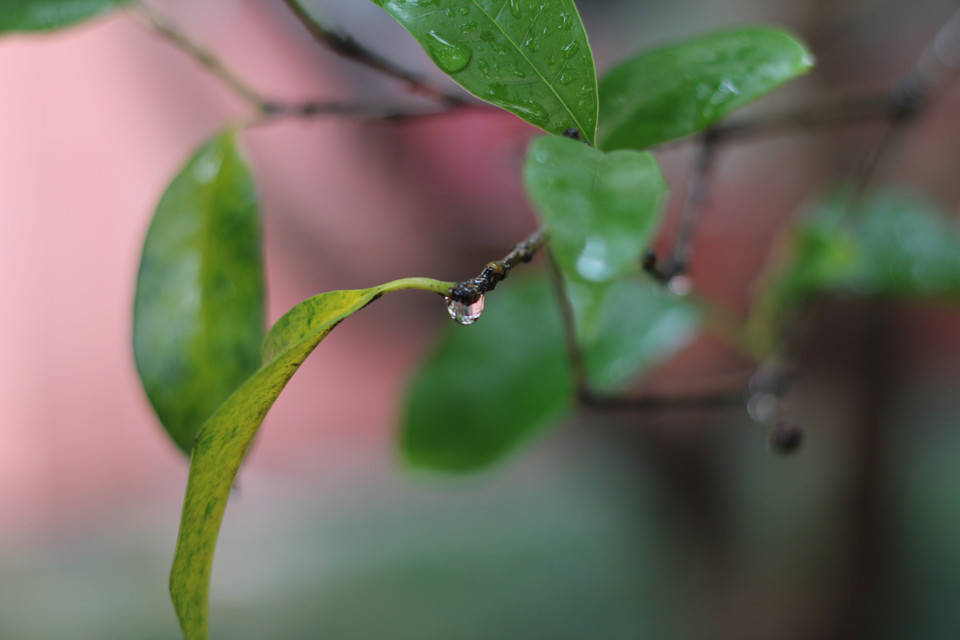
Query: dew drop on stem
x=464, y=313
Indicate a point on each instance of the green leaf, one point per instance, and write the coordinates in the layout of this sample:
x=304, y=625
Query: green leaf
x=488, y=388
x=892, y=246
x=600, y=208
x=198, y=310
x=685, y=87
x=226, y=436
x=529, y=57
x=628, y=328
x=49, y=15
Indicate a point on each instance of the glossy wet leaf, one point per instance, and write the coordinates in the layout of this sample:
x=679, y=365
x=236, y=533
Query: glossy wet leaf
x=685, y=87
x=530, y=57
x=627, y=328
x=600, y=208
x=198, y=310
x=49, y=15
x=224, y=439
x=892, y=246
x=488, y=388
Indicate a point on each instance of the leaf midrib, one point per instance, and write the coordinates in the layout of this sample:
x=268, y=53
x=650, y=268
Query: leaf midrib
x=523, y=55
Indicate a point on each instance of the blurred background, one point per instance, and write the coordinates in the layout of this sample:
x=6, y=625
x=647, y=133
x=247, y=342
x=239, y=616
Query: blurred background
x=656, y=526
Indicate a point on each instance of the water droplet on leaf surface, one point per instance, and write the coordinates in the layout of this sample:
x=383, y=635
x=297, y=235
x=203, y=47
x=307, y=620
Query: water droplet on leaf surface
x=464, y=313
x=449, y=56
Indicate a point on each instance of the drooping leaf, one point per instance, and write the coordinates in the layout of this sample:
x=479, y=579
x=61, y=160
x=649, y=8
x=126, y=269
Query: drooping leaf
x=600, y=208
x=890, y=246
x=529, y=57
x=49, y=15
x=687, y=86
x=198, y=311
x=488, y=388
x=633, y=325
x=225, y=437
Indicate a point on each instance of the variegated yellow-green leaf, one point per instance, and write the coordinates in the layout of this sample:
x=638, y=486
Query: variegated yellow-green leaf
x=224, y=439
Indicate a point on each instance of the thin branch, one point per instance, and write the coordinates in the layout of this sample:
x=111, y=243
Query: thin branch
x=469, y=291
x=909, y=94
x=572, y=344
x=695, y=197
x=696, y=402
x=168, y=30
x=268, y=110
x=345, y=46
x=829, y=114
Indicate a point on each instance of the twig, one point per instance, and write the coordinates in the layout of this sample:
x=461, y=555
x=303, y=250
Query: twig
x=161, y=25
x=910, y=94
x=345, y=46
x=834, y=113
x=567, y=318
x=658, y=402
x=469, y=291
x=695, y=197
x=267, y=109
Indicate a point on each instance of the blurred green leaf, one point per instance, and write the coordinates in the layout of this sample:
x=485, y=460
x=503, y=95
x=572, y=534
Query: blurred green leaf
x=600, y=209
x=685, y=87
x=629, y=327
x=224, y=439
x=529, y=57
x=49, y=15
x=892, y=246
x=486, y=389
x=198, y=310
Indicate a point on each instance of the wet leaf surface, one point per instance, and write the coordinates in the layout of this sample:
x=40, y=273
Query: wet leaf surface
x=685, y=87
x=530, y=57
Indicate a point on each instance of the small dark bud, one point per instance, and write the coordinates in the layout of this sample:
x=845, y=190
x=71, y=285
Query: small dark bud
x=786, y=438
x=572, y=133
x=649, y=260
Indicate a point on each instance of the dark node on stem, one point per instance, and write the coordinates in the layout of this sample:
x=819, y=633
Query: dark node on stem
x=469, y=291
x=785, y=438
x=572, y=133
x=908, y=97
x=651, y=264
x=649, y=260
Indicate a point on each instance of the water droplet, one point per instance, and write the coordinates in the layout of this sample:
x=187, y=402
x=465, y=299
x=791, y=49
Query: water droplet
x=464, y=313
x=680, y=285
x=206, y=168
x=464, y=11
x=762, y=407
x=592, y=263
x=515, y=8
x=449, y=56
x=529, y=111
x=570, y=50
